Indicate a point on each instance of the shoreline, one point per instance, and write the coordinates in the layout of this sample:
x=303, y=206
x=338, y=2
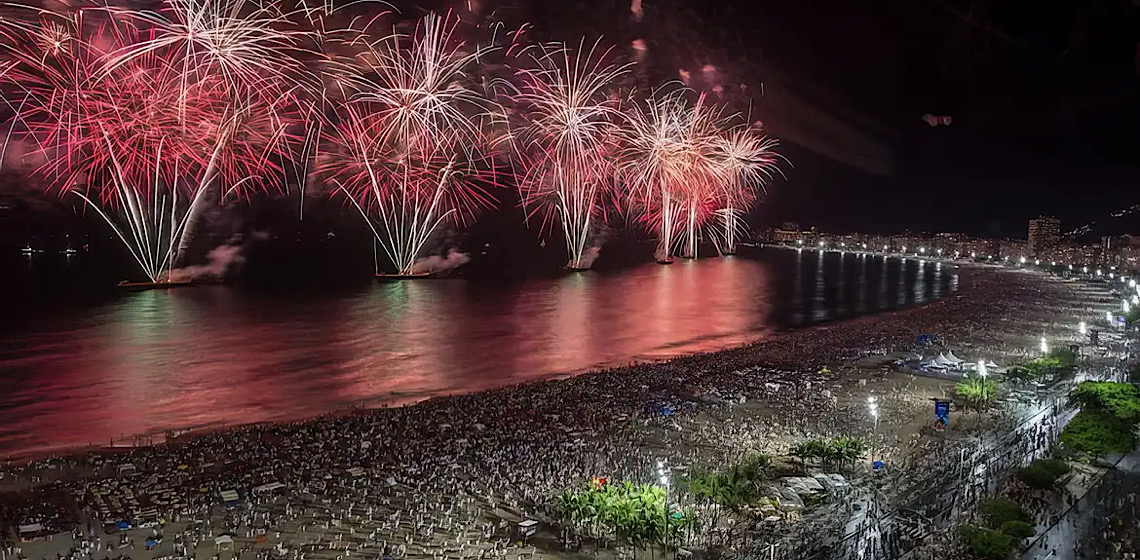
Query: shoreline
x=157, y=437
x=465, y=458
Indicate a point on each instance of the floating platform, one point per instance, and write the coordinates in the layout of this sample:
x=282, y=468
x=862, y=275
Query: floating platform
x=664, y=261
x=575, y=268
x=382, y=277
x=153, y=285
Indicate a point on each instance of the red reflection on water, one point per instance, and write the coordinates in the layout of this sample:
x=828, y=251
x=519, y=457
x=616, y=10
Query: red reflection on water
x=155, y=361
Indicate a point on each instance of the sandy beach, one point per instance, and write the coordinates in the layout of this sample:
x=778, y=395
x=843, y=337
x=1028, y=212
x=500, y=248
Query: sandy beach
x=451, y=477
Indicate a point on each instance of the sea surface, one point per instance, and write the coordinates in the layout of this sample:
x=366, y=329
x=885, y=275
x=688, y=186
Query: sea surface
x=153, y=361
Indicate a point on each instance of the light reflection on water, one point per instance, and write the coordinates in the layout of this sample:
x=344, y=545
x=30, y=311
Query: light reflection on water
x=154, y=361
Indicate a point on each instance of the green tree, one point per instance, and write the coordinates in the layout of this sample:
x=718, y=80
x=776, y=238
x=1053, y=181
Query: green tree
x=1000, y=510
x=1019, y=530
x=1043, y=474
x=1120, y=399
x=987, y=544
x=1097, y=433
x=976, y=393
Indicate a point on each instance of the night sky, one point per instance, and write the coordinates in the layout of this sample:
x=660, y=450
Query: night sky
x=1043, y=96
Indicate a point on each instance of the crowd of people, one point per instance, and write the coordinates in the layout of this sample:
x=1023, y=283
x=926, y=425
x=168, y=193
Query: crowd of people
x=452, y=477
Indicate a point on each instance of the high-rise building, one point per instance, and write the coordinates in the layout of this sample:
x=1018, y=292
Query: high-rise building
x=1044, y=233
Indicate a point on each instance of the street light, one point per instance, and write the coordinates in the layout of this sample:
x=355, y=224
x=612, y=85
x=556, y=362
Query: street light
x=874, y=407
x=662, y=475
x=1084, y=330
x=1044, y=346
x=983, y=372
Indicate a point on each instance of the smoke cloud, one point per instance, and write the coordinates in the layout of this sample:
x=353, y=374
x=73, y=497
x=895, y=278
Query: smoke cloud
x=590, y=255
x=436, y=263
x=219, y=261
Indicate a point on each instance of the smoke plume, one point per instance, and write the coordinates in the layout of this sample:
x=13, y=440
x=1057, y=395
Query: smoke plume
x=436, y=263
x=219, y=261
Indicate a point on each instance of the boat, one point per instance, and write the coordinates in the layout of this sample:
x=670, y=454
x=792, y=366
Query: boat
x=383, y=277
x=153, y=285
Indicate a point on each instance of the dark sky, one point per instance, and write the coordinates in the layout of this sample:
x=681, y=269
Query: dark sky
x=1043, y=97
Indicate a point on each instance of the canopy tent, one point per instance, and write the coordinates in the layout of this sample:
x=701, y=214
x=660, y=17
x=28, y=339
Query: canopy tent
x=934, y=364
x=950, y=356
x=267, y=487
x=941, y=359
x=229, y=496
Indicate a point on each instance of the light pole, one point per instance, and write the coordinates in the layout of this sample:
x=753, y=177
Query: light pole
x=1083, y=328
x=983, y=372
x=663, y=477
x=874, y=407
x=1044, y=346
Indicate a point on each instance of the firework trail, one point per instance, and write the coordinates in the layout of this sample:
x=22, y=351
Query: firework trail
x=748, y=161
x=569, y=140
x=669, y=169
x=136, y=140
x=410, y=145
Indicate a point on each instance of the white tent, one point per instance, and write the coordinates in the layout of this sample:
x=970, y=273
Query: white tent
x=267, y=487
x=941, y=359
x=950, y=356
x=990, y=364
x=933, y=364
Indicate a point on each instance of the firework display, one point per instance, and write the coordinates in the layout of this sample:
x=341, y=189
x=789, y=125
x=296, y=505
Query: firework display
x=570, y=140
x=151, y=116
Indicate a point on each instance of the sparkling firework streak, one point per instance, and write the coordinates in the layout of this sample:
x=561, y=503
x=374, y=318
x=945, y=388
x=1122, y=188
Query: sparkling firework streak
x=669, y=168
x=251, y=46
x=410, y=146
x=748, y=162
x=138, y=142
x=570, y=140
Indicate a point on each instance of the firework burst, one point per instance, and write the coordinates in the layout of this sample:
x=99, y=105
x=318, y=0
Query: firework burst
x=569, y=141
x=410, y=145
x=669, y=170
x=136, y=141
x=748, y=161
